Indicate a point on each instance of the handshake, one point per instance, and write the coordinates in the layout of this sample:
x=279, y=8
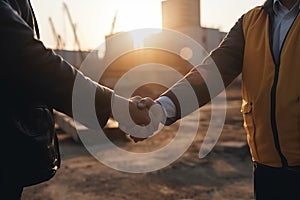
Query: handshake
x=139, y=117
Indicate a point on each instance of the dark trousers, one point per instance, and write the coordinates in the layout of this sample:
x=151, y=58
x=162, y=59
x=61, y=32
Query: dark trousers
x=9, y=190
x=276, y=183
x=11, y=193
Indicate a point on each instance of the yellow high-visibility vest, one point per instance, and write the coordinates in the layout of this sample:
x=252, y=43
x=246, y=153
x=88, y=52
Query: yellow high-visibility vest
x=271, y=93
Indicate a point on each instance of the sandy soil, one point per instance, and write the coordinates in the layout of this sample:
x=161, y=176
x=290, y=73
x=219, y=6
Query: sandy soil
x=226, y=173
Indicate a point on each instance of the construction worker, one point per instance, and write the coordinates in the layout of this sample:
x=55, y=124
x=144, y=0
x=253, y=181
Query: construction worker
x=264, y=47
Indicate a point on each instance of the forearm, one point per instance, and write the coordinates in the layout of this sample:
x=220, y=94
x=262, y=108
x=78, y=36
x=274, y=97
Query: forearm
x=224, y=63
x=35, y=73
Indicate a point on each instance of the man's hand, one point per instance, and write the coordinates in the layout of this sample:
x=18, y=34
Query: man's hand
x=155, y=108
x=156, y=111
x=139, y=122
x=146, y=102
x=139, y=115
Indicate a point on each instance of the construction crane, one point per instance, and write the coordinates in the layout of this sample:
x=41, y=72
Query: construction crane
x=57, y=37
x=114, y=23
x=73, y=26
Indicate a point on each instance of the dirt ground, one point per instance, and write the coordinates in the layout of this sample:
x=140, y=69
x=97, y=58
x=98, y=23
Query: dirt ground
x=226, y=173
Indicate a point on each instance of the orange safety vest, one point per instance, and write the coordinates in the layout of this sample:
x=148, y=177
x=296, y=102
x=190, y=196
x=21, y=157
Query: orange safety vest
x=271, y=93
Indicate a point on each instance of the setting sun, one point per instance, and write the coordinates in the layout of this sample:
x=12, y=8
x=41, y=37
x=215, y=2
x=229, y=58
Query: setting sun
x=136, y=14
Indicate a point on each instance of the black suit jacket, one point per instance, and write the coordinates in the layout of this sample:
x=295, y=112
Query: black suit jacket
x=33, y=81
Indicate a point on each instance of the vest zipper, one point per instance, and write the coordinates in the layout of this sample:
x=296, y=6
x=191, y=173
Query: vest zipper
x=273, y=118
x=274, y=92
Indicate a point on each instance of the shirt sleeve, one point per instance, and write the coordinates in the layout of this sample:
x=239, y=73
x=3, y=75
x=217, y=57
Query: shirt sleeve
x=228, y=59
x=168, y=106
x=32, y=72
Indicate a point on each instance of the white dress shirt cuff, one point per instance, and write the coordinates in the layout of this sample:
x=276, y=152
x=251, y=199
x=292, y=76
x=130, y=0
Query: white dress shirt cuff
x=168, y=106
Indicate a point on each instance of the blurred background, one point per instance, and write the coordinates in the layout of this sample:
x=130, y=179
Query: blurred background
x=80, y=29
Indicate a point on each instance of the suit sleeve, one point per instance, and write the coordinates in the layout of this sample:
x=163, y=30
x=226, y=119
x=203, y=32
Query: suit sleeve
x=34, y=73
x=226, y=61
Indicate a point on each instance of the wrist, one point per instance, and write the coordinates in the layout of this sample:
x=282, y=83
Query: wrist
x=163, y=116
x=168, y=106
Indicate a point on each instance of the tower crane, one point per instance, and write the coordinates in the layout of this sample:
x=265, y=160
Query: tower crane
x=73, y=26
x=57, y=37
x=114, y=23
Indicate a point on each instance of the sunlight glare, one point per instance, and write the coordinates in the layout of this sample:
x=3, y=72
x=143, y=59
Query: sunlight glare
x=136, y=14
x=139, y=36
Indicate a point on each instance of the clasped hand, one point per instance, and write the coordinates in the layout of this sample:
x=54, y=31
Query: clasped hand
x=139, y=117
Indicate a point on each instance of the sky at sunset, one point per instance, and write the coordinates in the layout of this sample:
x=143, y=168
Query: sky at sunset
x=93, y=18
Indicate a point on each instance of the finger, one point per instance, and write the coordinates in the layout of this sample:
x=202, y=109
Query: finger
x=136, y=139
x=139, y=116
x=157, y=113
x=145, y=103
x=136, y=99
